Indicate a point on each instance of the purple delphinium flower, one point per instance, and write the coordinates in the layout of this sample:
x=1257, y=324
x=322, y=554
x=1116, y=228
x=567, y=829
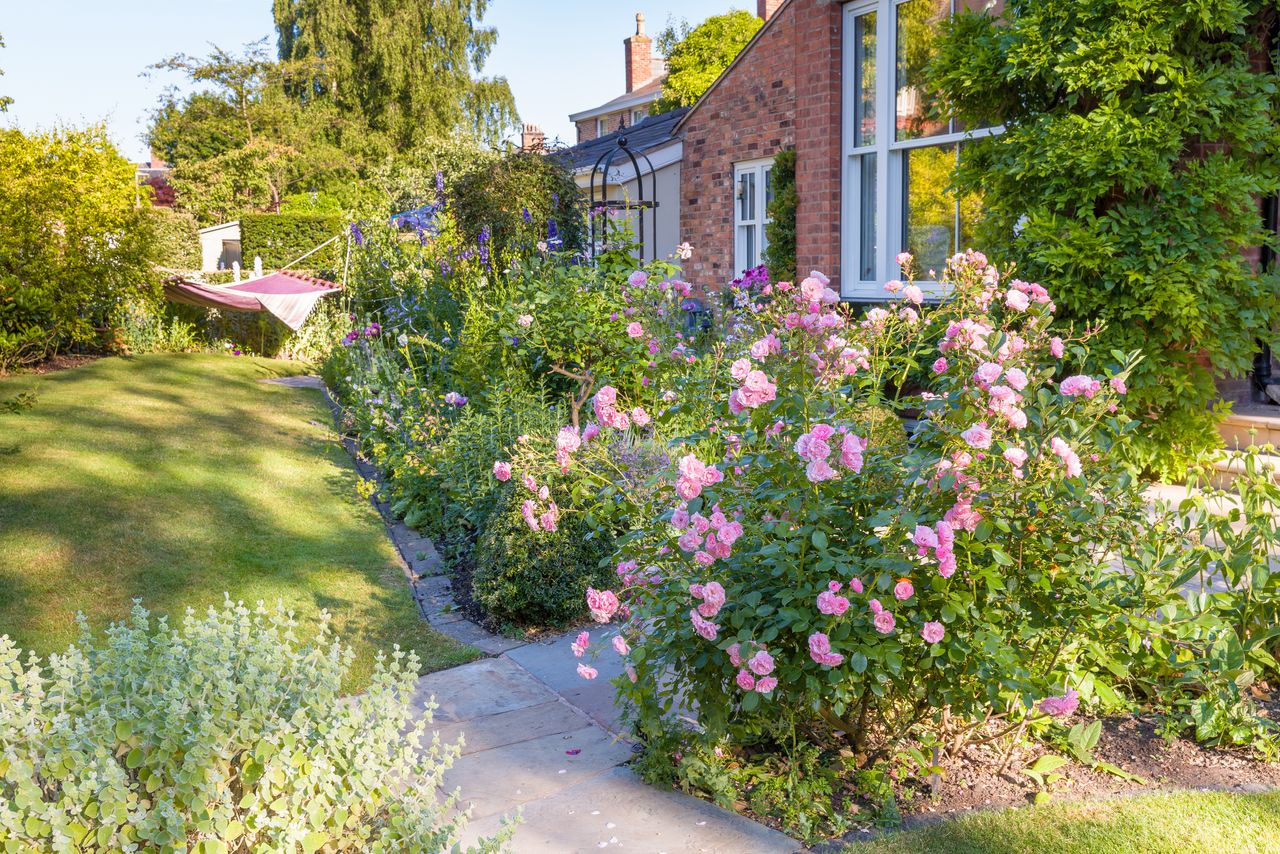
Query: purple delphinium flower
x=484, y=246
x=440, y=189
x=357, y=234
x=553, y=235
x=526, y=216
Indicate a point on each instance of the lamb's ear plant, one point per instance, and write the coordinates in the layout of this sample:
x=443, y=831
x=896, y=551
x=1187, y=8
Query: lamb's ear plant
x=227, y=733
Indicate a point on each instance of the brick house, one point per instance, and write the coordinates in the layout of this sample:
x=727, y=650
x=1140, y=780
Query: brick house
x=821, y=77
x=644, y=74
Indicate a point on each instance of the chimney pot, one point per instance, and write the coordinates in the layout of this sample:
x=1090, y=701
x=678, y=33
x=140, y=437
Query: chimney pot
x=639, y=56
x=532, y=138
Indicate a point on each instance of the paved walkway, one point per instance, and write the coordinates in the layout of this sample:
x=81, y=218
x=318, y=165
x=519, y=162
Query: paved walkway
x=541, y=740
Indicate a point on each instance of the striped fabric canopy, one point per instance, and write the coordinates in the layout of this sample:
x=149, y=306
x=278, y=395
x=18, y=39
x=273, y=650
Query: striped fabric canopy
x=289, y=296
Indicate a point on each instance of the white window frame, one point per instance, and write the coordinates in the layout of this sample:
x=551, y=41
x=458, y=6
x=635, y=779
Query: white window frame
x=889, y=152
x=762, y=169
x=637, y=116
x=602, y=126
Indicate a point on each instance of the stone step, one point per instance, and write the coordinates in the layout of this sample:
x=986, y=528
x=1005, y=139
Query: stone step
x=1252, y=428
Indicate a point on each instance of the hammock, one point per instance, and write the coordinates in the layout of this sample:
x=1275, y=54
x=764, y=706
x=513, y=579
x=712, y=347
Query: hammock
x=289, y=296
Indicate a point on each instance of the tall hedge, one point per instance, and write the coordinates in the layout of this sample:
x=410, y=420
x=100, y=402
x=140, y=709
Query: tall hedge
x=1139, y=137
x=177, y=238
x=279, y=239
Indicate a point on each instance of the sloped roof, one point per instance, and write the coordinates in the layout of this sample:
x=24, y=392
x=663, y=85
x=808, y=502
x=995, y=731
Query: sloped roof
x=649, y=134
x=640, y=95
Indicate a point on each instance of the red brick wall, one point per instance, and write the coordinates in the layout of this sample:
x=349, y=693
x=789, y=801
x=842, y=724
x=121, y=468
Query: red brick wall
x=783, y=92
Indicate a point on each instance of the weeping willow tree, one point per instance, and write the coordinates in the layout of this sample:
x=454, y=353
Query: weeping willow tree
x=410, y=68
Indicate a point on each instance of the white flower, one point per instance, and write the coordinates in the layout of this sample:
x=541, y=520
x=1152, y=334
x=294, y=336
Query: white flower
x=684, y=251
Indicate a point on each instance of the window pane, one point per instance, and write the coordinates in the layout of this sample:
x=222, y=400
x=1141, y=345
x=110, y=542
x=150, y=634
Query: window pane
x=764, y=242
x=917, y=24
x=864, y=65
x=747, y=197
x=867, y=218
x=746, y=247
x=929, y=210
x=970, y=214
x=768, y=193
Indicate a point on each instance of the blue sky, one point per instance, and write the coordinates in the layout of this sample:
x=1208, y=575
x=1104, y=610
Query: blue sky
x=78, y=61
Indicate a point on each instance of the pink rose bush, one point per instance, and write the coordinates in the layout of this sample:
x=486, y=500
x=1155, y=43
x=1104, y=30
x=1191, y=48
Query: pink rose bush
x=798, y=556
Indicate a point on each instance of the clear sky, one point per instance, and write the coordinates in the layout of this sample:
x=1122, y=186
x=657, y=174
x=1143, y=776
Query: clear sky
x=79, y=61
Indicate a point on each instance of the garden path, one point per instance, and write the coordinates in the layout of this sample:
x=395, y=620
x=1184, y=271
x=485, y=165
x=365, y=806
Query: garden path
x=540, y=740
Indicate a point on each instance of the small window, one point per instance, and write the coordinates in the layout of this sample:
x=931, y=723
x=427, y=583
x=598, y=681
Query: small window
x=637, y=116
x=752, y=192
x=602, y=127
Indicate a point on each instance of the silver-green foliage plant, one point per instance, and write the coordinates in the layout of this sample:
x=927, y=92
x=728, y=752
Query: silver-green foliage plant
x=227, y=733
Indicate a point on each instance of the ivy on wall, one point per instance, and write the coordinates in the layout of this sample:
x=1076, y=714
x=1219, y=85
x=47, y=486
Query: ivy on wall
x=780, y=254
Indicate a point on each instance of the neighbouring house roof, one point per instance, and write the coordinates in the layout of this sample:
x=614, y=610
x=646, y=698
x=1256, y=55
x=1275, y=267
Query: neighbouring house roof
x=233, y=225
x=651, y=133
x=645, y=94
x=777, y=14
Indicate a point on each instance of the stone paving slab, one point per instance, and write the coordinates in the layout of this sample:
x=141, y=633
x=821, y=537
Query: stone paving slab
x=552, y=662
x=550, y=718
x=486, y=687
x=465, y=631
x=497, y=781
x=615, y=810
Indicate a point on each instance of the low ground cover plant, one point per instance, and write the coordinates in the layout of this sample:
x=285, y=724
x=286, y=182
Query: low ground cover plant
x=223, y=733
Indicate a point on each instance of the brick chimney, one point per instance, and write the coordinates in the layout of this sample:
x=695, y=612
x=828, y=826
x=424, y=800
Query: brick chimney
x=156, y=162
x=639, y=49
x=766, y=8
x=532, y=139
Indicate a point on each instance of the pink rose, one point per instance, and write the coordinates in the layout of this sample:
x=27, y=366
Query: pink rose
x=639, y=417
x=525, y=320
x=1080, y=384
x=735, y=654
x=912, y=293
x=745, y=681
x=856, y=585
x=761, y=663
x=830, y=603
x=528, y=511
x=884, y=622
x=1017, y=300
x=680, y=519
x=932, y=631
x=634, y=329
x=502, y=471
x=1056, y=347
x=893, y=286
x=1118, y=386
x=820, y=470
x=581, y=643
x=620, y=645
x=766, y=685
x=739, y=369
x=940, y=365
x=903, y=590
x=1017, y=456
x=602, y=604
x=978, y=436
x=587, y=672
x=705, y=629
x=1061, y=707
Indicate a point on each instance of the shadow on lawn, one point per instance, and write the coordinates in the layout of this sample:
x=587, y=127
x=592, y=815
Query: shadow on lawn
x=174, y=485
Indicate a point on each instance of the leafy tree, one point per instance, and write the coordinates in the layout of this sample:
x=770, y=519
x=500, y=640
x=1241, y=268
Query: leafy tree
x=407, y=67
x=697, y=55
x=72, y=241
x=244, y=144
x=4, y=100
x=1138, y=139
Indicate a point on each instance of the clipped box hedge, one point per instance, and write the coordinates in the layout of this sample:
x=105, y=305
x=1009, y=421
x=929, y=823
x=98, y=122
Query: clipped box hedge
x=282, y=238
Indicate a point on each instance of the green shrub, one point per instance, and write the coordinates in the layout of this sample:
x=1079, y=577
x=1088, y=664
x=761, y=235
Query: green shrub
x=1138, y=138
x=141, y=327
x=177, y=239
x=225, y=733
x=280, y=239
x=498, y=196
x=537, y=580
x=780, y=254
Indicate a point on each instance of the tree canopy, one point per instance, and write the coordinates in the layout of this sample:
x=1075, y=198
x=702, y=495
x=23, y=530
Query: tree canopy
x=4, y=100
x=696, y=56
x=408, y=68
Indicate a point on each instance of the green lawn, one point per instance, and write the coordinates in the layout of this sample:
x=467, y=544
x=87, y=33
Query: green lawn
x=1186, y=823
x=174, y=478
